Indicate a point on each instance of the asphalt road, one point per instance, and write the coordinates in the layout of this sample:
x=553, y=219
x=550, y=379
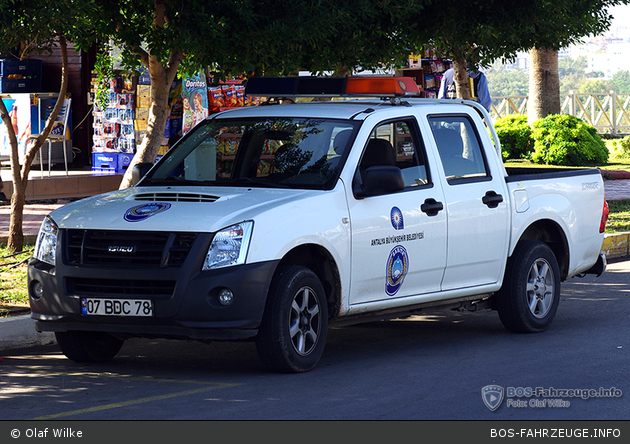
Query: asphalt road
x=430, y=367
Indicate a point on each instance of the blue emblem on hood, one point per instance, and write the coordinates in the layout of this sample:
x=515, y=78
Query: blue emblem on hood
x=397, y=268
x=145, y=211
x=397, y=218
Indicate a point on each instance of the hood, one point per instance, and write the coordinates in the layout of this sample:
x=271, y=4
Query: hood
x=200, y=209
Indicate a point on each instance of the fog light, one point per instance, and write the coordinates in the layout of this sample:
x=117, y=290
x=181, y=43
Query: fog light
x=226, y=296
x=38, y=291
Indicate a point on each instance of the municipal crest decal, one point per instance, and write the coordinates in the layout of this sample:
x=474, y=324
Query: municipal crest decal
x=144, y=211
x=397, y=268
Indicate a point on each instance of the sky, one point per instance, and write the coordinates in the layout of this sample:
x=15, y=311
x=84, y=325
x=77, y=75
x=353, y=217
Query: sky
x=621, y=15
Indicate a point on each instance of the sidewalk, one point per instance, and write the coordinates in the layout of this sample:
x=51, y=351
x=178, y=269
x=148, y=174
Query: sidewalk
x=33, y=216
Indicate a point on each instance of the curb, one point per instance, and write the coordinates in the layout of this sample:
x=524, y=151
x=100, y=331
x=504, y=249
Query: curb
x=29, y=239
x=19, y=332
x=616, y=174
x=616, y=245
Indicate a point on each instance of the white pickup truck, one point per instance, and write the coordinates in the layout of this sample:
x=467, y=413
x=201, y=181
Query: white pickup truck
x=271, y=223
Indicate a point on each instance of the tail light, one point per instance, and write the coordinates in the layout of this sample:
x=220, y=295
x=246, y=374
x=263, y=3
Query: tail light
x=605, y=213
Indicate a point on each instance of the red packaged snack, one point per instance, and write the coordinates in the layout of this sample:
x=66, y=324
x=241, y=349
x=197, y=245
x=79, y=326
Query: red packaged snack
x=240, y=95
x=216, y=98
x=230, y=96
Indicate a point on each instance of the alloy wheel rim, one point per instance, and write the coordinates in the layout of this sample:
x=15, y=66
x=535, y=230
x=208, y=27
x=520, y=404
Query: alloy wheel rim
x=540, y=288
x=304, y=321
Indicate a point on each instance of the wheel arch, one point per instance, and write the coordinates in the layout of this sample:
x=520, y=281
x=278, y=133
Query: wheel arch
x=549, y=232
x=321, y=262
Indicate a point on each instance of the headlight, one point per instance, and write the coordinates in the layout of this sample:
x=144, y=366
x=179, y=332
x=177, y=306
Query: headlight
x=46, y=245
x=229, y=246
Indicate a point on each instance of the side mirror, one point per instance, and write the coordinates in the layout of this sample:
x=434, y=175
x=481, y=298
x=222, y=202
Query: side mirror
x=379, y=180
x=138, y=171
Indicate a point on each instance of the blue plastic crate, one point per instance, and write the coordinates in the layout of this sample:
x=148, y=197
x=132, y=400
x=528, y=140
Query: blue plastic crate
x=27, y=67
x=20, y=85
x=111, y=162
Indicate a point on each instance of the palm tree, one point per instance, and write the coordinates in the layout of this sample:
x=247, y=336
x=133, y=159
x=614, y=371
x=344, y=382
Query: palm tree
x=544, y=84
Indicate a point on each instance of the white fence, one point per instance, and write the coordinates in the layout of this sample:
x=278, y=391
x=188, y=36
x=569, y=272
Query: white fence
x=608, y=113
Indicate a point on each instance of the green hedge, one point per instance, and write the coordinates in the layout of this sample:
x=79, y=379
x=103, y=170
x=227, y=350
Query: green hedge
x=561, y=139
x=515, y=136
x=558, y=139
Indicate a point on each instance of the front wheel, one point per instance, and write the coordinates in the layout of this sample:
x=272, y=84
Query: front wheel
x=293, y=331
x=88, y=346
x=529, y=298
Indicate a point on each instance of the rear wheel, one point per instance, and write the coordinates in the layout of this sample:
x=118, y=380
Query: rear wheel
x=529, y=298
x=293, y=331
x=88, y=346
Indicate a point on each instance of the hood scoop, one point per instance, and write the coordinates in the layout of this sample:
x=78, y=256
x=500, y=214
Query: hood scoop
x=175, y=197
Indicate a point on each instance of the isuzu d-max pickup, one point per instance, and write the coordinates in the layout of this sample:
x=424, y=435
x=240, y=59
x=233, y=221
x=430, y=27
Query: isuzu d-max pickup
x=271, y=223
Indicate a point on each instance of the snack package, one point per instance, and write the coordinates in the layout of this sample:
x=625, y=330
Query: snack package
x=240, y=95
x=230, y=96
x=216, y=98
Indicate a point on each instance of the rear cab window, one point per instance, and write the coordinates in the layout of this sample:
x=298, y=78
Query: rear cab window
x=459, y=149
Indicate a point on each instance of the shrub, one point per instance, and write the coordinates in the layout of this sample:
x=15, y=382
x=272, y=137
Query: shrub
x=621, y=148
x=561, y=139
x=515, y=136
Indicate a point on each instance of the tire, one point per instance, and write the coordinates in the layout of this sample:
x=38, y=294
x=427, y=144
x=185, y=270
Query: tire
x=293, y=331
x=529, y=298
x=88, y=346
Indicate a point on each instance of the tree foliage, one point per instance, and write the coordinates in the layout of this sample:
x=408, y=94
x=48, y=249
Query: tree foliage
x=595, y=86
x=573, y=77
x=553, y=25
x=620, y=82
x=621, y=148
x=263, y=37
x=504, y=82
x=26, y=28
x=477, y=32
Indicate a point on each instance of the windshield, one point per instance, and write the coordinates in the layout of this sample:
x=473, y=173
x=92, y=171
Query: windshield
x=266, y=152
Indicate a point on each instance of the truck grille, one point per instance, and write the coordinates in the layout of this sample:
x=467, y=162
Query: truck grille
x=127, y=287
x=127, y=248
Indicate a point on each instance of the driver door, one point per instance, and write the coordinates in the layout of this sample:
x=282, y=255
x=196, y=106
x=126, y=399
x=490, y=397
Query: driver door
x=398, y=239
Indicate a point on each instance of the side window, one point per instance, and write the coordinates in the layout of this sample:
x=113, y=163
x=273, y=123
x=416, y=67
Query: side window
x=396, y=143
x=459, y=148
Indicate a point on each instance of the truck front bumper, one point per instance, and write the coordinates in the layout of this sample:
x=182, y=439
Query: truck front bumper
x=190, y=311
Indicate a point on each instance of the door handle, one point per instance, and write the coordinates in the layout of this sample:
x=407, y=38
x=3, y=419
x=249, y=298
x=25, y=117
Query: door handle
x=431, y=207
x=492, y=199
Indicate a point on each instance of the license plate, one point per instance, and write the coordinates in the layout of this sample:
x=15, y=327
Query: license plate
x=116, y=307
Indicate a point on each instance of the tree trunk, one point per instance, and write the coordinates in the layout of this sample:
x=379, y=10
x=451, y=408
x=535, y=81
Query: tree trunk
x=20, y=176
x=162, y=78
x=460, y=78
x=544, y=84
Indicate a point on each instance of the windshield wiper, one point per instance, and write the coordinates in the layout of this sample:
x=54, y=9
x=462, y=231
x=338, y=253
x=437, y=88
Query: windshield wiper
x=256, y=182
x=170, y=180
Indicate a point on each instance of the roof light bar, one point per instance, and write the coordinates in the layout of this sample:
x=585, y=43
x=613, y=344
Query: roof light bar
x=382, y=86
x=361, y=86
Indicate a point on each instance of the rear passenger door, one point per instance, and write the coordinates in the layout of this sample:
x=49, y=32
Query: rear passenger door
x=476, y=209
x=398, y=239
